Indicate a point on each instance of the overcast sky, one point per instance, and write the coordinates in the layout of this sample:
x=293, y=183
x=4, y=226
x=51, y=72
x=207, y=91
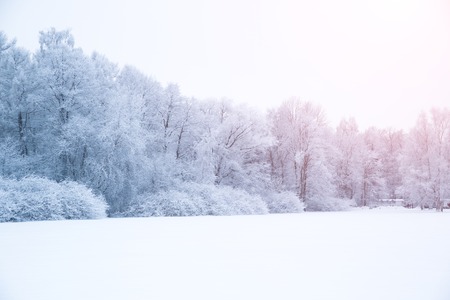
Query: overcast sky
x=381, y=61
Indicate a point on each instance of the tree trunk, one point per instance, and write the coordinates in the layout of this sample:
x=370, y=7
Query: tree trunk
x=23, y=145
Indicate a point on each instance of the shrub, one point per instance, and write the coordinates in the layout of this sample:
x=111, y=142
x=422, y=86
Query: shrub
x=329, y=204
x=35, y=199
x=283, y=202
x=193, y=199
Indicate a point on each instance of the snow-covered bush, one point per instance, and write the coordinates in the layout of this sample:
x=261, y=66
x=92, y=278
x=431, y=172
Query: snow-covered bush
x=193, y=199
x=329, y=204
x=283, y=202
x=225, y=200
x=35, y=198
x=165, y=203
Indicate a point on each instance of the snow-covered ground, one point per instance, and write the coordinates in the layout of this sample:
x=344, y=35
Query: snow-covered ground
x=370, y=254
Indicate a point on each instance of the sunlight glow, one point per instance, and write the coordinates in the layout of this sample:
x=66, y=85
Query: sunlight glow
x=379, y=61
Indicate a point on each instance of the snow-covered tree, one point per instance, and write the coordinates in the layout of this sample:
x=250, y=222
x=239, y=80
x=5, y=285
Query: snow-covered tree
x=348, y=159
x=17, y=82
x=373, y=183
x=66, y=103
x=426, y=164
x=232, y=146
x=392, y=147
x=299, y=158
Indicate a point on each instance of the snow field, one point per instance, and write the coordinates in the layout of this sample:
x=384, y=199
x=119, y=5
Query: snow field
x=372, y=254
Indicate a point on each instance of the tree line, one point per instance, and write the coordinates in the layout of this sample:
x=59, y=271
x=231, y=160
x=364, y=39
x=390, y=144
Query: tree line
x=148, y=150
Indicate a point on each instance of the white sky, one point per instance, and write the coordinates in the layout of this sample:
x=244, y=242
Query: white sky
x=381, y=61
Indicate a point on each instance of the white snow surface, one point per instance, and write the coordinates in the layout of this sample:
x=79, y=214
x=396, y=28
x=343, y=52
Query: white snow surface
x=364, y=254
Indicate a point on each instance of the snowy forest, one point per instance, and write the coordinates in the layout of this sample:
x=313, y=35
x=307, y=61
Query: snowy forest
x=81, y=137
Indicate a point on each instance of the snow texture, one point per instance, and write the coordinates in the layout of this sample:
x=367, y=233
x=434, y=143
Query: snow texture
x=389, y=253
